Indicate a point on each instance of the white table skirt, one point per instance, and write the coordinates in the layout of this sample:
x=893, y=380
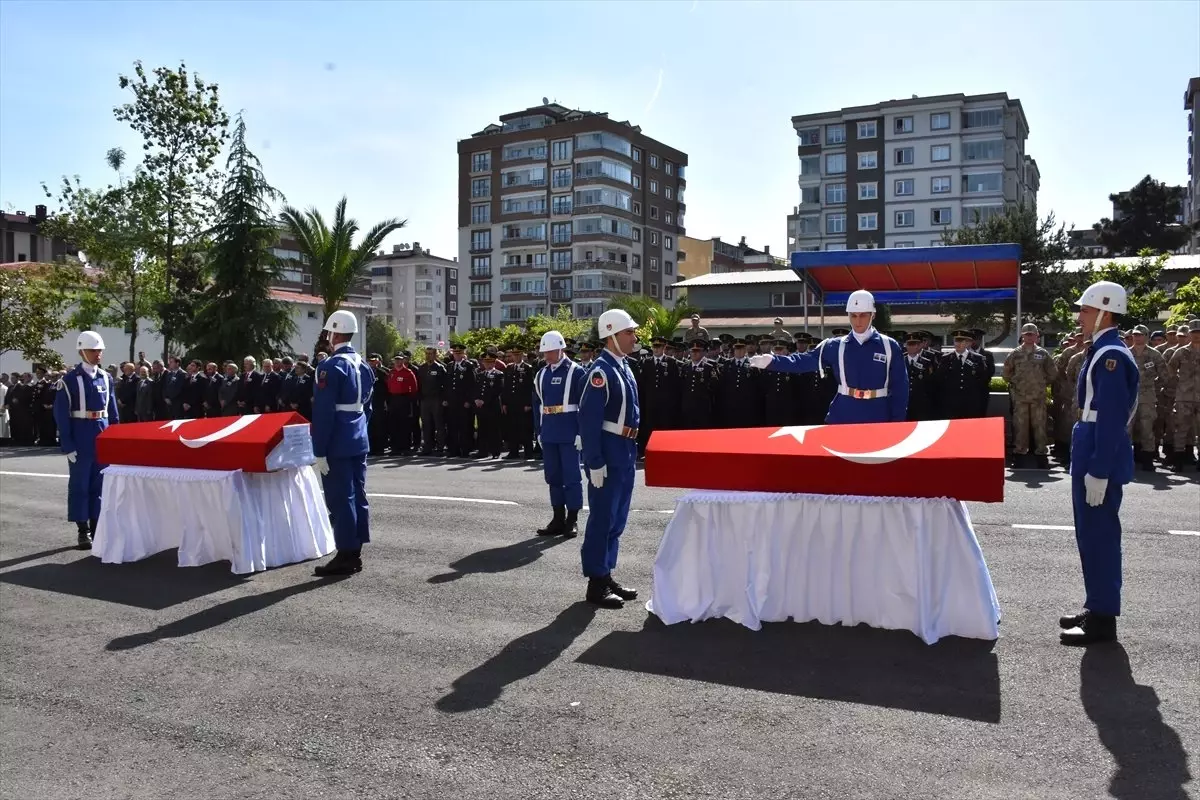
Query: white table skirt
x=253, y=520
x=754, y=557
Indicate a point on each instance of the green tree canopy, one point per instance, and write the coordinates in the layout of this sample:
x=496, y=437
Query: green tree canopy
x=385, y=339
x=1147, y=220
x=1140, y=279
x=1187, y=303
x=33, y=308
x=653, y=317
x=236, y=312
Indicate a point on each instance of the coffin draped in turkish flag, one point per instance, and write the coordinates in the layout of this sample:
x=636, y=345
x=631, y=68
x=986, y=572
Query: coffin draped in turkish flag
x=218, y=443
x=961, y=459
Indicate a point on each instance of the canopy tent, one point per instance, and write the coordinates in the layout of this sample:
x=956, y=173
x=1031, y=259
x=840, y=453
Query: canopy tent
x=914, y=275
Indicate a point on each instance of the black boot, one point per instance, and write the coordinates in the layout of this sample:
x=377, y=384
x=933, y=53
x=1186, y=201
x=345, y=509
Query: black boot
x=343, y=563
x=85, y=539
x=570, y=527
x=599, y=593
x=556, y=525
x=1093, y=629
x=620, y=591
x=1147, y=459
x=1043, y=461
x=1072, y=620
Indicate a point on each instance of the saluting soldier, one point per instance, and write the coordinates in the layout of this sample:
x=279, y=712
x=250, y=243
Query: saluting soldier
x=921, y=378
x=658, y=387
x=1152, y=371
x=962, y=378
x=699, y=389
x=1029, y=370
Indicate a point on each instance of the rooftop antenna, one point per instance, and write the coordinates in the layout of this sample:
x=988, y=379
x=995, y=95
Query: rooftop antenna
x=545, y=101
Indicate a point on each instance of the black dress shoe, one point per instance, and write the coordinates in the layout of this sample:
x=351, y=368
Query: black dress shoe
x=1072, y=621
x=341, y=564
x=570, y=527
x=599, y=593
x=1094, y=629
x=85, y=541
x=620, y=591
x=555, y=526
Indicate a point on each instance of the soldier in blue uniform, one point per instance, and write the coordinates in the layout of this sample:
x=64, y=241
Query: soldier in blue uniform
x=340, y=413
x=608, y=425
x=869, y=367
x=557, y=390
x=84, y=405
x=1101, y=461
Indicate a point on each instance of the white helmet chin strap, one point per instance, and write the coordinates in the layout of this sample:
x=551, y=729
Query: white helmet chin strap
x=617, y=345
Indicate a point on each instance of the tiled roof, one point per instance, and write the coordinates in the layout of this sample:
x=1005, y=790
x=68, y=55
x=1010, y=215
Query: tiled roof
x=310, y=299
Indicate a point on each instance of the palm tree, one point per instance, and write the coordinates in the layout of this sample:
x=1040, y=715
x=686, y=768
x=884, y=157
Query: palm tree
x=654, y=317
x=335, y=262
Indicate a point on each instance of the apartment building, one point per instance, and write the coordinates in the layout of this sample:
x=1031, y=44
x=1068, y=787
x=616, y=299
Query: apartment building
x=901, y=172
x=566, y=208
x=708, y=256
x=417, y=292
x=1192, y=197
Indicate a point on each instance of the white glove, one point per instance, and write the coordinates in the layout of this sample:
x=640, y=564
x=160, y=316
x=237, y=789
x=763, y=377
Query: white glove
x=762, y=360
x=579, y=443
x=71, y=456
x=539, y=441
x=1095, y=489
x=322, y=466
x=596, y=476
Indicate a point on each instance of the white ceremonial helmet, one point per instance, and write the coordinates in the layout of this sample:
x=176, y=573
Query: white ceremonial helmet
x=614, y=321
x=552, y=340
x=342, y=322
x=89, y=340
x=1106, y=296
x=860, y=301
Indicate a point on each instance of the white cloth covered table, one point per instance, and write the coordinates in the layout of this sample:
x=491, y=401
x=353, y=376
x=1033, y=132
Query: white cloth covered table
x=754, y=557
x=253, y=520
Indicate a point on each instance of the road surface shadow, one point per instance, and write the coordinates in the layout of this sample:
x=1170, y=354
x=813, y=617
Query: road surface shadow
x=32, y=451
x=499, y=559
x=12, y=562
x=1033, y=478
x=216, y=615
x=521, y=658
x=1150, y=758
x=153, y=583
x=892, y=669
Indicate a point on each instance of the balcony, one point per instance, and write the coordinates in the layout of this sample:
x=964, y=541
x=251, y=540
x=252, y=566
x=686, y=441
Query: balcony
x=481, y=169
x=480, y=274
x=607, y=291
x=513, y=297
x=560, y=239
x=560, y=295
x=560, y=268
x=481, y=300
x=535, y=183
x=609, y=266
x=601, y=236
x=561, y=211
x=518, y=269
x=478, y=248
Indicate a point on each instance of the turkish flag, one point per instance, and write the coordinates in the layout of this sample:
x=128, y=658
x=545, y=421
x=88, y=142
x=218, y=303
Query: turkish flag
x=218, y=443
x=961, y=459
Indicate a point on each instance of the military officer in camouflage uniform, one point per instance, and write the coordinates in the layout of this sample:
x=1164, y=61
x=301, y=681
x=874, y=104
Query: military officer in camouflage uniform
x=1184, y=367
x=1029, y=370
x=1153, y=370
x=1064, y=396
x=1166, y=403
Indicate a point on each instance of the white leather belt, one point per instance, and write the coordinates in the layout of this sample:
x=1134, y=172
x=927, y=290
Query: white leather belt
x=862, y=394
x=354, y=407
x=1087, y=416
x=89, y=414
x=620, y=430
x=559, y=409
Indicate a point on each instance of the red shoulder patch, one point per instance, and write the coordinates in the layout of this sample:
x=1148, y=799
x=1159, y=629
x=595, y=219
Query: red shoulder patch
x=1110, y=364
x=321, y=379
x=598, y=379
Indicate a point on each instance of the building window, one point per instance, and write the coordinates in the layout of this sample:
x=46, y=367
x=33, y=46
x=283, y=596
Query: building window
x=481, y=266
x=637, y=208
x=561, y=204
x=481, y=187
x=654, y=161
x=868, y=160
x=653, y=212
x=561, y=178
x=868, y=191
x=481, y=214
x=868, y=222
x=668, y=243
x=637, y=154
x=835, y=134
x=904, y=187
x=653, y=187
x=561, y=150
x=904, y=156
x=939, y=121
x=637, y=261
x=481, y=162
x=905, y=219
x=668, y=167
x=835, y=247
x=835, y=223
x=560, y=233
x=835, y=194
x=667, y=218
x=811, y=165
x=453, y=307
x=978, y=182
x=637, y=234
x=667, y=192
x=905, y=244
x=939, y=216
x=939, y=152
x=902, y=125
x=939, y=184
x=866, y=129
x=637, y=181
x=653, y=264
x=835, y=163
x=307, y=279
x=668, y=268
x=481, y=240
x=983, y=118
x=809, y=137
x=653, y=238
x=985, y=150
x=977, y=215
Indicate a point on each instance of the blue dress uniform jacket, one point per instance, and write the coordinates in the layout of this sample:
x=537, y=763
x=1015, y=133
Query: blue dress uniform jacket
x=341, y=410
x=556, y=394
x=609, y=415
x=871, y=376
x=83, y=407
x=1107, y=393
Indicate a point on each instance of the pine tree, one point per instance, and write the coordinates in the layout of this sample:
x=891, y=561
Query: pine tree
x=237, y=315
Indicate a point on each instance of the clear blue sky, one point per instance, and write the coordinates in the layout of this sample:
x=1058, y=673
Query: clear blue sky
x=369, y=99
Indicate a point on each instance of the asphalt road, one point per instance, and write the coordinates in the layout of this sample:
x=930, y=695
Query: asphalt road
x=461, y=664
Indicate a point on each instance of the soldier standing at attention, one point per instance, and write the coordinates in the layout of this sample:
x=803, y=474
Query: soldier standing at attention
x=433, y=385
x=658, y=386
x=1101, y=462
x=1185, y=368
x=460, y=416
x=872, y=379
x=341, y=412
x=696, y=331
x=85, y=405
x=488, y=402
x=517, y=408
x=699, y=387
x=920, y=378
x=558, y=388
x=962, y=379
x=1153, y=370
x=1029, y=370
x=1064, y=397
x=608, y=425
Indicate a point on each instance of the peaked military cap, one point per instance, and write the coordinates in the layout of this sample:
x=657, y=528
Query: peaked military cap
x=457, y=347
x=915, y=336
x=840, y=331
x=699, y=344
x=977, y=333
x=585, y=347
x=726, y=337
x=781, y=343
x=739, y=342
x=962, y=334
x=659, y=340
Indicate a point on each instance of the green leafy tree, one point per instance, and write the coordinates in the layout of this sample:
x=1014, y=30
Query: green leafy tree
x=34, y=300
x=1147, y=220
x=1187, y=303
x=111, y=226
x=235, y=311
x=1043, y=249
x=183, y=127
x=385, y=339
x=883, y=318
x=653, y=317
x=336, y=262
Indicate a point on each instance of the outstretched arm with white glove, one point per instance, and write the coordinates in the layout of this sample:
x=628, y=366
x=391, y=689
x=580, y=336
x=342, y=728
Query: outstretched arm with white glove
x=762, y=360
